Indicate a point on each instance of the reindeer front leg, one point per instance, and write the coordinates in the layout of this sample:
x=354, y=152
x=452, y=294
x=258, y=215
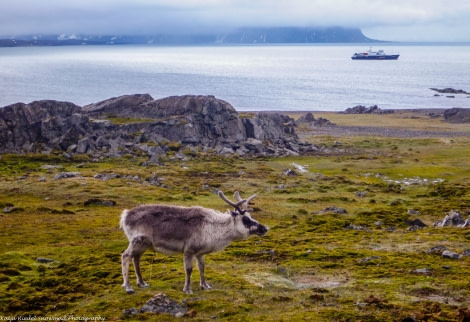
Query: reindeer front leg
x=188, y=269
x=201, y=265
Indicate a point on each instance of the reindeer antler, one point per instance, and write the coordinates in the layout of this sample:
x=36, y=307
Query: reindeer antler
x=238, y=198
x=235, y=205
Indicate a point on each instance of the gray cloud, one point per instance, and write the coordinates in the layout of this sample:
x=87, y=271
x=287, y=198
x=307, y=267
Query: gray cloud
x=406, y=20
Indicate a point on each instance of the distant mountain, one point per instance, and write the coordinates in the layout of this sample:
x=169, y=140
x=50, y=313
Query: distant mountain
x=273, y=35
x=284, y=35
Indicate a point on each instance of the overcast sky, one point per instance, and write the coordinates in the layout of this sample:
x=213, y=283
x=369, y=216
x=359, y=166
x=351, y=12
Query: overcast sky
x=398, y=20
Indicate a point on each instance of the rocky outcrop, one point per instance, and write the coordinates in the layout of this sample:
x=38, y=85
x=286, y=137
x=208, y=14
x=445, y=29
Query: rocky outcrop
x=453, y=219
x=457, y=115
x=138, y=124
x=40, y=124
x=310, y=119
x=361, y=109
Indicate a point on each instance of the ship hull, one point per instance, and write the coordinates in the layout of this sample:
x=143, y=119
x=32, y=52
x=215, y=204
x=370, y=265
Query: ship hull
x=375, y=57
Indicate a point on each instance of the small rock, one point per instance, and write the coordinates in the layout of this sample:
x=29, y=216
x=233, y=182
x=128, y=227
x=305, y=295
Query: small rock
x=369, y=259
x=289, y=172
x=436, y=250
x=99, y=202
x=416, y=223
x=424, y=271
x=161, y=303
x=154, y=180
x=300, y=168
x=356, y=227
x=360, y=194
x=413, y=212
x=131, y=311
x=333, y=209
x=63, y=175
x=8, y=209
x=450, y=254
x=44, y=260
x=51, y=167
x=106, y=176
x=466, y=252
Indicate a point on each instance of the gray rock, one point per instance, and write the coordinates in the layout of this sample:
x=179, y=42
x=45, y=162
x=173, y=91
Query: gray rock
x=360, y=194
x=416, y=223
x=333, y=209
x=64, y=175
x=423, y=271
x=369, y=259
x=361, y=109
x=99, y=202
x=436, y=250
x=311, y=120
x=356, y=227
x=451, y=255
x=106, y=176
x=161, y=303
x=457, y=115
x=452, y=219
x=289, y=172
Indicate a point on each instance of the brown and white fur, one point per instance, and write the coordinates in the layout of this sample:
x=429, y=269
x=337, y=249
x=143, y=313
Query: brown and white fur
x=193, y=231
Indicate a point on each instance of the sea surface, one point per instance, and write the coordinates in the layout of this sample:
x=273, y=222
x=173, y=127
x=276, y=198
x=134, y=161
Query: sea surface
x=262, y=77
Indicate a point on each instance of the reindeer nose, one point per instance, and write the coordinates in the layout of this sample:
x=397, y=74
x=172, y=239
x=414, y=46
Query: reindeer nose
x=262, y=230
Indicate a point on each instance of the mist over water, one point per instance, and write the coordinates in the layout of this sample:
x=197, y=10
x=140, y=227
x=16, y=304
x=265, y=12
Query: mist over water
x=284, y=77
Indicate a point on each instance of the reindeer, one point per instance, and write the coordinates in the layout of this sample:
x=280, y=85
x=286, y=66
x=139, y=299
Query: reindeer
x=193, y=231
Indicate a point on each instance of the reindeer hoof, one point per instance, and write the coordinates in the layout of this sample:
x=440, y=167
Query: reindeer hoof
x=129, y=291
x=187, y=291
x=143, y=285
x=206, y=286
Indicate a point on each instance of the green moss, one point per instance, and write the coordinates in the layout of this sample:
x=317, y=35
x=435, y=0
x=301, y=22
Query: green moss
x=127, y=120
x=308, y=267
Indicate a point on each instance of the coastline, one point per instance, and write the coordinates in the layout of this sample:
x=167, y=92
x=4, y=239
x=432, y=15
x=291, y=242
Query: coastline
x=409, y=123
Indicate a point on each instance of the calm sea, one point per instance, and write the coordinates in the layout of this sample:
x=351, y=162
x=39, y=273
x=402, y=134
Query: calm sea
x=304, y=77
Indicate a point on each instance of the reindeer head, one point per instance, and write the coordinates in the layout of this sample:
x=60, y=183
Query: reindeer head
x=241, y=214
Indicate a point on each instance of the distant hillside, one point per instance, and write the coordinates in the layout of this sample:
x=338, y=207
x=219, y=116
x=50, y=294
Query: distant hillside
x=295, y=35
x=278, y=35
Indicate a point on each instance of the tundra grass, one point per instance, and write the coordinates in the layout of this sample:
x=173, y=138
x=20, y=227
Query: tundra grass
x=312, y=265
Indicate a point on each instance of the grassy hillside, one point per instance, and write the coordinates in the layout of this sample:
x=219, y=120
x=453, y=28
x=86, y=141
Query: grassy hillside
x=340, y=246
